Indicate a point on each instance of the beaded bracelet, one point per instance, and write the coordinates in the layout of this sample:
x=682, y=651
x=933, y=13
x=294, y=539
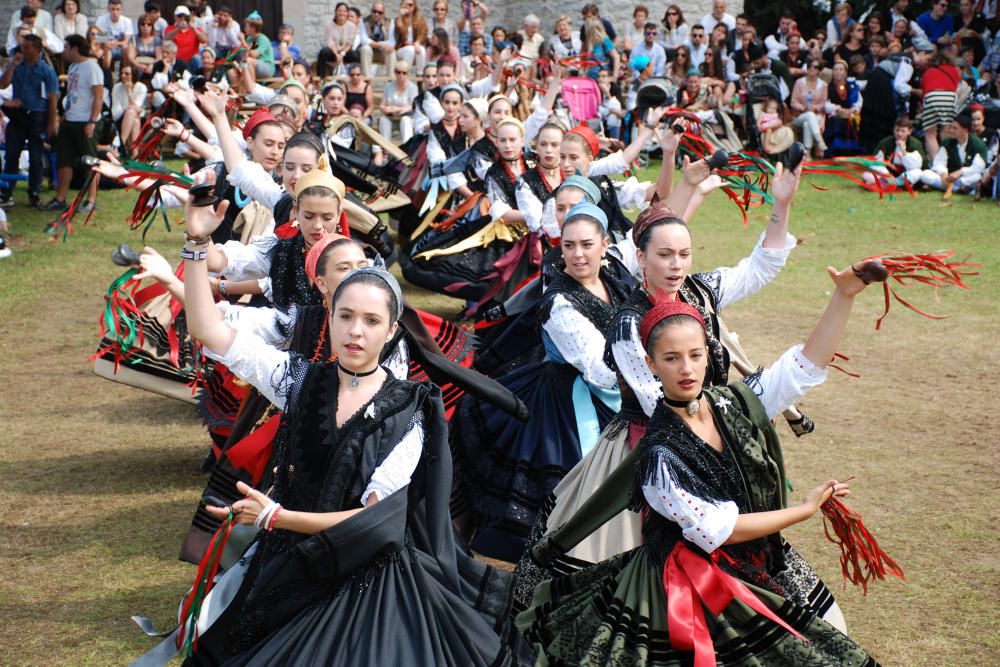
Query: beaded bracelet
x=223, y=290
x=274, y=519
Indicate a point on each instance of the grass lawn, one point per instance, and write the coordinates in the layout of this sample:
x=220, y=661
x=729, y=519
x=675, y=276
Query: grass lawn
x=98, y=481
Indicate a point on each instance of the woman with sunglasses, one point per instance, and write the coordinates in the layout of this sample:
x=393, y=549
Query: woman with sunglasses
x=808, y=104
x=397, y=104
x=675, y=30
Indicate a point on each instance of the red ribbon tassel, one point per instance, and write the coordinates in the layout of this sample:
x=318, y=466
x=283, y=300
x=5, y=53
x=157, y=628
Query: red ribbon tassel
x=694, y=585
x=862, y=560
x=936, y=269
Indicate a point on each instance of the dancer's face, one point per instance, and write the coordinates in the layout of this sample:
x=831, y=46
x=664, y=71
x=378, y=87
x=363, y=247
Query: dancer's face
x=360, y=325
x=547, y=147
x=267, y=145
x=573, y=157
x=583, y=246
x=297, y=162
x=340, y=261
x=566, y=199
x=317, y=216
x=679, y=359
x=666, y=261
x=451, y=103
x=510, y=141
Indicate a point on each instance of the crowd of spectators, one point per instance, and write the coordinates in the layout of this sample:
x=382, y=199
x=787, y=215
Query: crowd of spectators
x=908, y=88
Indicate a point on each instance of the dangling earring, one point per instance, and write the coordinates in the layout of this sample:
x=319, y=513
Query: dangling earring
x=645, y=281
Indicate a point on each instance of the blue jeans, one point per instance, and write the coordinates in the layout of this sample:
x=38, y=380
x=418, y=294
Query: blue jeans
x=25, y=126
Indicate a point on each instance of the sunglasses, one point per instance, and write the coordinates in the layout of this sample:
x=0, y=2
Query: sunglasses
x=671, y=13
x=377, y=11
x=355, y=74
x=651, y=32
x=401, y=71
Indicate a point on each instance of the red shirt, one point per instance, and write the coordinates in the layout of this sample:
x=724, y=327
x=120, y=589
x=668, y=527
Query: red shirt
x=186, y=41
x=940, y=77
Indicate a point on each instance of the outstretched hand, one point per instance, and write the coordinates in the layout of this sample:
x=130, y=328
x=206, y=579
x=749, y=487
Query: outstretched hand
x=184, y=97
x=213, y=103
x=155, y=266
x=668, y=140
x=848, y=281
x=246, y=510
x=695, y=172
x=822, y=493
x=203, y=220
x=786, y=184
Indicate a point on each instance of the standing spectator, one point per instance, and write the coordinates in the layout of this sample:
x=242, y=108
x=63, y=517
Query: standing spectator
x=35, y=86
x=532, y=38
x=602, y=49
x=937, y=22
x=716, y=16
x=44, y=19
x=477, y=26
x=650, y=48
x=440, y=19
x=698, y=45
x=410, y=30
x=160, y=24
x=377, y=40
x=260, y=55
x=940, y=85
x=187, y=38
x=69, y=21
x=592, y=11
x=675, y=30
x=777, y=42
x=339, y=38
x=5, y=252
x=128, y=106
x=148, y=48
x=224, y=35
x=808, y=104
x=397, y=104
x=632, y=34
x=836, y=27
x=465, y=27
x=565, y=42
x=117, y=28
x=83, y=102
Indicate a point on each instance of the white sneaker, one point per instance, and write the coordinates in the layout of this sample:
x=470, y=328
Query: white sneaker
x=5, y=252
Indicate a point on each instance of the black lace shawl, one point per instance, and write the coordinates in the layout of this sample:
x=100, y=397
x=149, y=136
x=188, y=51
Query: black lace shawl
x=747, y=472
x=289, y=282
x=506, y=187
x=452, y=145
x=537, y=185
x=583, y=300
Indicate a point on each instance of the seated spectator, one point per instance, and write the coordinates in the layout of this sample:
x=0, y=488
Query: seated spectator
x=339, y=39
x=129, y=102
x=742, y=56
x=940, y=88
x=679, y=66
x=69, y=21
x=858, y=67
x=904, y=152
x=777, y=43
x=565, y=42
x=775, y=138
x=601, y=48
x=843, y=110
x=698, y=45
x=97, y=49
x=358, y=93
x=202, y=16
x=808, y=104
x=211, y=68
x=440, y=47
x=650, y=48
x=410, y=30
x=477, y=64
x=937, y=22
x=147, y=49
x=477, y=26
x=152, y=9
x=610, y=110
x=187, y=38
x=961, y=162
x=260, y=56
x=499, y=34
x=168, y=71
x=441, y=20
x=716, y=75
x=224, y=35
x=716, y=16
x=117, y=28
x=989, y=185
x=632, y=34
x=794, y=57
x=29, y=25
x=397, y=104
x=837, y=27
x=377, y=43
x=532, y=39
x=675, y=30
x=44, y=19
x=591, y=11
x=285, y=48
x=877, y=50
x=853, y=45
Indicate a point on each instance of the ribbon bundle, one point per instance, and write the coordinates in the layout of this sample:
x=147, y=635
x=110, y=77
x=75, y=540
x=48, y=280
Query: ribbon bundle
x=147, y=146
x=149, y=201
x=120, y=320
x=933, y=268
x=63, y=225
x=853, y=168
x=862, y=560
x=187, y=633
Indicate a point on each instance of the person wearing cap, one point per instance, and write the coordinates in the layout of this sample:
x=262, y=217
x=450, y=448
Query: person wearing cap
x=187, y=38
x=961, y=161
x=651, y=49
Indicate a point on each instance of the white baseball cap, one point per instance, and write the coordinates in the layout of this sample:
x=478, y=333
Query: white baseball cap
x=181, y=9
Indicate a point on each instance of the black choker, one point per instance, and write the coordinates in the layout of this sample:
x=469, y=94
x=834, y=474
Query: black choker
x=355, y=376
x=691, y=406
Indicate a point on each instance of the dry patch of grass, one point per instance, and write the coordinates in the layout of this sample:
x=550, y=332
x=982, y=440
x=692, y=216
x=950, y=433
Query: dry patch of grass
x=98, y=481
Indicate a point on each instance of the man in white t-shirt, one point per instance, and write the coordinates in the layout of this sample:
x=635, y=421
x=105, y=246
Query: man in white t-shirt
x=716, y=16
x=83, y=102
x=117, y=28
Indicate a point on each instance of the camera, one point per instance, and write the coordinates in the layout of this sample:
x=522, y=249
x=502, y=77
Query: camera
x=199, y=83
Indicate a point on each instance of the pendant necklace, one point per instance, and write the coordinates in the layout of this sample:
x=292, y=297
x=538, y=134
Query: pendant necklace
x=356, y=376
x=691, y=406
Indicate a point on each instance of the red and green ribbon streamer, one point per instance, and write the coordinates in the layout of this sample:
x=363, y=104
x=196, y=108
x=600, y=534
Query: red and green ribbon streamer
x=187, y=635
x=935, y=269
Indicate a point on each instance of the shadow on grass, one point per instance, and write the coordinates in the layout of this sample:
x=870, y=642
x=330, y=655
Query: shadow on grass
x=108, y=471
x=148, y=409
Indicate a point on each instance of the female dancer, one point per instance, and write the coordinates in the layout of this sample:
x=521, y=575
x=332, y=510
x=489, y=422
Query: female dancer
x=536, y=188
x=356, y=563
x=711, y=485
x=510, y=466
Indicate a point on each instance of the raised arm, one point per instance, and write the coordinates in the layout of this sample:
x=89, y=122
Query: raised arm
x=204, y=321
x=786, y=184
x=185, y=97
x=215, y=107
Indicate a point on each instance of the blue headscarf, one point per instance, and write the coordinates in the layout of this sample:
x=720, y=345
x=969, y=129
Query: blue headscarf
x=588, y=210
x=587, y=186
